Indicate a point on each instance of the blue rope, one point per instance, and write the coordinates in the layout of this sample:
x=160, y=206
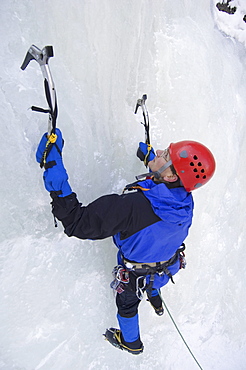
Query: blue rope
x=179, y=331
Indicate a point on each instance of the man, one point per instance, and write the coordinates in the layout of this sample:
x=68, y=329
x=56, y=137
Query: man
x=148, y=224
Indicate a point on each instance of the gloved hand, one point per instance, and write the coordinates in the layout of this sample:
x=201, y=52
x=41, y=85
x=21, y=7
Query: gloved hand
x=49, y=155
x=145, y=153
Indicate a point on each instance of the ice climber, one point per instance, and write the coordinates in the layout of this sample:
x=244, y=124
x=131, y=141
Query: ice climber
x=148, y=224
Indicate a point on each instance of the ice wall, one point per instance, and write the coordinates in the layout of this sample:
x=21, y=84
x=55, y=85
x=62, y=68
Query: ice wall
x=55, y=295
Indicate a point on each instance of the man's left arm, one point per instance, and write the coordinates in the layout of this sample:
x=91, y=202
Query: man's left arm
x=104, y=217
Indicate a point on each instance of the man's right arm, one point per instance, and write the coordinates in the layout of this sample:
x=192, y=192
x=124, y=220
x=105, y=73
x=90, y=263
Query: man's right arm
x=106, y=216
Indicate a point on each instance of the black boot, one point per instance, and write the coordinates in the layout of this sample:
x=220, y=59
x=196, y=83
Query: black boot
x=156, y=303
x=114, y=336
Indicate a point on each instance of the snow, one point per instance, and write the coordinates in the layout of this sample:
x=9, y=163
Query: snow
x=55, y=299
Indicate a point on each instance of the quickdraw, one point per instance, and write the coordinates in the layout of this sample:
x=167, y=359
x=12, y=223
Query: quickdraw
x=121, y=277
x=182, y=260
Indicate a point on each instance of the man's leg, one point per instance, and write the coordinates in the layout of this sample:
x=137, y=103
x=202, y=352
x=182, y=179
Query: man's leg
x=127, y=303
x=127, y=337
x=155, y=300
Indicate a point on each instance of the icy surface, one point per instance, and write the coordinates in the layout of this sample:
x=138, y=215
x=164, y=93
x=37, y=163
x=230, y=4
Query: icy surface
x=55, y=300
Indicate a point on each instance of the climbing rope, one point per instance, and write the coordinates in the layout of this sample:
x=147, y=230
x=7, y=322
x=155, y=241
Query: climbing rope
x=179, y=331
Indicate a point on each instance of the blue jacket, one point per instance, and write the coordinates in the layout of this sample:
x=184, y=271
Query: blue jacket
x=146, y=226
x=160, y=240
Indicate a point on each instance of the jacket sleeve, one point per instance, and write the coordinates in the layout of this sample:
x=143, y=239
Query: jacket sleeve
x=106, y=216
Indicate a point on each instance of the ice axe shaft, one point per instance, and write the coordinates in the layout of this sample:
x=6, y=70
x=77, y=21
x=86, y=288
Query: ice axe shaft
x=141, y=103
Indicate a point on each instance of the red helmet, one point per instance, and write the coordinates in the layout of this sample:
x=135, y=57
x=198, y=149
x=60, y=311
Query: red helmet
x=193, y=162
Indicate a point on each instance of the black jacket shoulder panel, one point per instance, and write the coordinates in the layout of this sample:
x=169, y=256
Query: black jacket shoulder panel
x=106, y=216
x=142, y=214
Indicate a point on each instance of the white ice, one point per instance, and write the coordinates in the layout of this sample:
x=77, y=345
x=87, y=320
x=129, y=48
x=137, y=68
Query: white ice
x=189, y=58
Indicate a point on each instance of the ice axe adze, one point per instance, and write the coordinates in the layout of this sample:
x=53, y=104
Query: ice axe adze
x=141, y=103
x=42, y=57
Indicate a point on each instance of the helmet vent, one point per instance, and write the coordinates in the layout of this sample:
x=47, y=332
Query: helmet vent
x=196, y=170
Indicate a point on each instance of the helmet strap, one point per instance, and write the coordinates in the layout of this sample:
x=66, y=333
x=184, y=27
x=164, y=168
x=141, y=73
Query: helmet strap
x=156, y=174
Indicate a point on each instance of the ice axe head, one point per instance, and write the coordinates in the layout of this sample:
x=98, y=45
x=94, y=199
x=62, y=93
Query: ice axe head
x=41, y=56
x=140, y=102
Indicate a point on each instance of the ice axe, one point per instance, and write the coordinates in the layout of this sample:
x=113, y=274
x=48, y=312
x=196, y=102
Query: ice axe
x=42, y=57
x=141, y=103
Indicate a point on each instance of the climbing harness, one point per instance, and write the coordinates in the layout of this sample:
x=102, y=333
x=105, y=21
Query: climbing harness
x=136, y=274
x=153, y=268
